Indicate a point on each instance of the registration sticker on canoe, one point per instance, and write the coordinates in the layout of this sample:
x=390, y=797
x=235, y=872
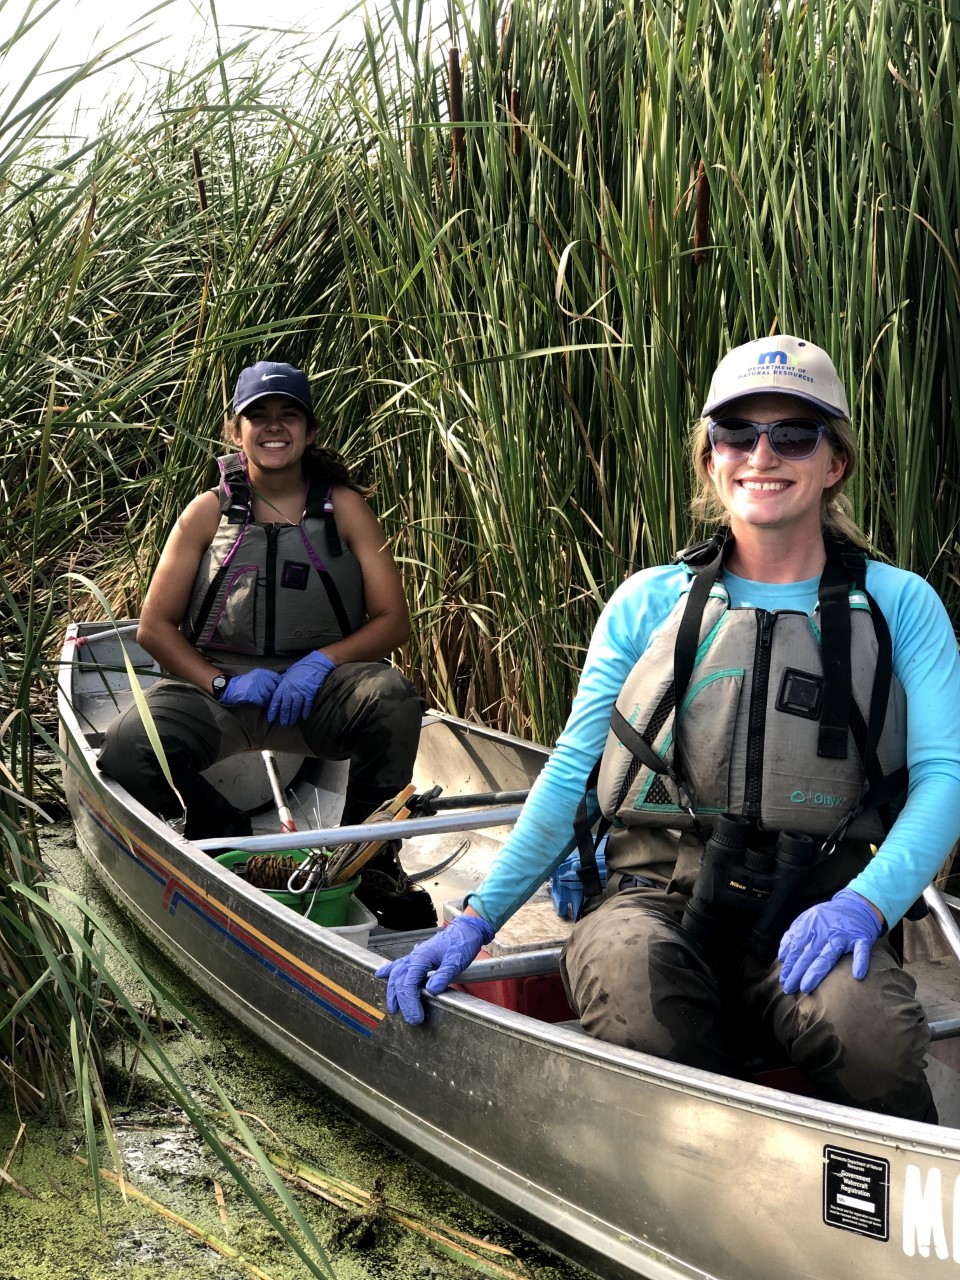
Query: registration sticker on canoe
x=856, y=1192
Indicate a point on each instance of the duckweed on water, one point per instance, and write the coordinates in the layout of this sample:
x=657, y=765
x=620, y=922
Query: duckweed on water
x=58, y=1237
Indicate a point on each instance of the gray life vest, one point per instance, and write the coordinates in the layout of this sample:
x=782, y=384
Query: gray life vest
x=793, y=721
x=749, y=722
x=273, y=590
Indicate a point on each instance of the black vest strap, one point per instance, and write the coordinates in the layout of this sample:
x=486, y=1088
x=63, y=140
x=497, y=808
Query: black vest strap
x=638, y=746
x=834, y=596
x=320, y=507
x=336, y=603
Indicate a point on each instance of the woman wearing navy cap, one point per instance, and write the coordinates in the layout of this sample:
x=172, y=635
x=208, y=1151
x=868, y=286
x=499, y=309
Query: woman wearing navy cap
x=274, y=601
x=774, y=716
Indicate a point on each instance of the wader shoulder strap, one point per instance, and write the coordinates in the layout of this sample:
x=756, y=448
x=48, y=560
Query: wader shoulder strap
x=849, y=562
x=587, y=842
x=236, y=497
x=688, y=633
x=707, y=559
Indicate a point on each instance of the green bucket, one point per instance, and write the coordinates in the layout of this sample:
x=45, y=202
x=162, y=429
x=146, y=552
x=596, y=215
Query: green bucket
x=329, y=907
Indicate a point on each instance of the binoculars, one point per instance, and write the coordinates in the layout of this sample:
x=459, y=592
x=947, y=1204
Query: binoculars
x=741, y=893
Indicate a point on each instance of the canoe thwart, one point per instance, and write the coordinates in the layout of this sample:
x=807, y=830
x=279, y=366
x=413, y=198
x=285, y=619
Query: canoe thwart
x=404, y=829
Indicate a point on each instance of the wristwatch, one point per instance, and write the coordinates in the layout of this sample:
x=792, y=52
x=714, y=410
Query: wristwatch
x=218, y=686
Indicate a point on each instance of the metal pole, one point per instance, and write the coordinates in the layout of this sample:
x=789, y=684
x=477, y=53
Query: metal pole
x=944, y=918
x=283, y=809
x=364, y=831
x=126, y=629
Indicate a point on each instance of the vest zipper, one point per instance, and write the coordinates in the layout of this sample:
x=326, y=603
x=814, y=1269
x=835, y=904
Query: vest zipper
x=758, y=714
x=270, y=637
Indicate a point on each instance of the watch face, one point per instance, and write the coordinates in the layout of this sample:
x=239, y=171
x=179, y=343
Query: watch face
x=218, y=684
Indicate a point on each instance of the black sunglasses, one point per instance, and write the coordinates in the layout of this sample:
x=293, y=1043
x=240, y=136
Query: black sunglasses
x=790, y=438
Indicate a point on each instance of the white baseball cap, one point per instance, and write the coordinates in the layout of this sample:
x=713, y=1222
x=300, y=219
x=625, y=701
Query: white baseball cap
x=783, y=364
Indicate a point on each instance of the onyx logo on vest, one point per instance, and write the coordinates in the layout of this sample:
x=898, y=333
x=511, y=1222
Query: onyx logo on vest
x=818, y=797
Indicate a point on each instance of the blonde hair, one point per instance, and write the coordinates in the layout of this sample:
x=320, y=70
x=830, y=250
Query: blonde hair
x=836, y=514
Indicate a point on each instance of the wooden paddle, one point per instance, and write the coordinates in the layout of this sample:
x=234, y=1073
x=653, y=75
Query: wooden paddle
x=347, y=859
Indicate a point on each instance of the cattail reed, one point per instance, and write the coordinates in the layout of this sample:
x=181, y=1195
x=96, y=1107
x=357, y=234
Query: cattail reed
x=198, y=175
x=517, y=130
x=701, y=233
x=458, y=139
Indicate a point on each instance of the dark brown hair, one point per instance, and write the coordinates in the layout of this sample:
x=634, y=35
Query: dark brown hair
x=319, y=462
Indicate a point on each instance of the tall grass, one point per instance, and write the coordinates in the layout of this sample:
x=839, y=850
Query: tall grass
x=511, y=318
x=640, y=187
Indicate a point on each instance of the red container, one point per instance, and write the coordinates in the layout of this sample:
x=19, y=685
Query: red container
x=539, y=996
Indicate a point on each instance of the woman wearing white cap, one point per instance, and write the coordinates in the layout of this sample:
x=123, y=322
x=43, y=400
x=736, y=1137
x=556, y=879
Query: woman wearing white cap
x=274, y=601
x=743, y=894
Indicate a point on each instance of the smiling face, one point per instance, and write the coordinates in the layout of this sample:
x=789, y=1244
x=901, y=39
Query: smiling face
x=765, y=491
x=273, y=432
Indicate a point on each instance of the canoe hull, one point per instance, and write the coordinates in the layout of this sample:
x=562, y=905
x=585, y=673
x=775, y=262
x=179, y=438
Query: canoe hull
x=632, y=1166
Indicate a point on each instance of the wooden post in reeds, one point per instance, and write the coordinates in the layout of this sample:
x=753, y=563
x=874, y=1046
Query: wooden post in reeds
x=458, y=138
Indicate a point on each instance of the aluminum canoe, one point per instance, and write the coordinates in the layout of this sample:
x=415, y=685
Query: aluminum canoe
x=627, y=1164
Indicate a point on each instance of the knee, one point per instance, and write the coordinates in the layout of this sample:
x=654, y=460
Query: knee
x=398, y=698
x=874, y=1028
x=383, y=700
x=639, y=986
x=124, y=746
x=188, y=734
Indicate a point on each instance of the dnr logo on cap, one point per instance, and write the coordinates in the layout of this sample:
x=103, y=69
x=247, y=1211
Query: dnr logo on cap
x=777, y=357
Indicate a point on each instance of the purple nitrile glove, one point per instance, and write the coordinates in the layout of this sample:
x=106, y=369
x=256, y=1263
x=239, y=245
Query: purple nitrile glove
x=448, y=952
x=256, y=686
x=298, y=687
x=821, y=935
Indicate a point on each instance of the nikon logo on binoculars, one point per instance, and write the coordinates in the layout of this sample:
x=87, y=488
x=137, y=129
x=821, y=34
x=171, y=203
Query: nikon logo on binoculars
x=820, y=798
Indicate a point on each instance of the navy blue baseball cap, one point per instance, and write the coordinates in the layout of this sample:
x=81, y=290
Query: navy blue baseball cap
x=267, y=378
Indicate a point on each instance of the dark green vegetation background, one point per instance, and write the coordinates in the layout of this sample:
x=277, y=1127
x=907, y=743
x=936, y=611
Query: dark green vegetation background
x=510, y=325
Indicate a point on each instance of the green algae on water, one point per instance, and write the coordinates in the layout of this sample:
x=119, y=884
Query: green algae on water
x=58, y=1236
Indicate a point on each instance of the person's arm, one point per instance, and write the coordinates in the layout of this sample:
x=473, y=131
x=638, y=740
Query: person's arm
x=543, y=836
x=388, y=617
x=926, y=662
x=168, y=596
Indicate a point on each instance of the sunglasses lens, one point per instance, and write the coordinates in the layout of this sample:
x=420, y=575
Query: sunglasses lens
x=795, y=439
x=792, y=438
x=733, y=438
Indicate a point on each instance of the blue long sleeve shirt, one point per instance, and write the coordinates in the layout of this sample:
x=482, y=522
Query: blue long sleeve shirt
x=925, y=660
